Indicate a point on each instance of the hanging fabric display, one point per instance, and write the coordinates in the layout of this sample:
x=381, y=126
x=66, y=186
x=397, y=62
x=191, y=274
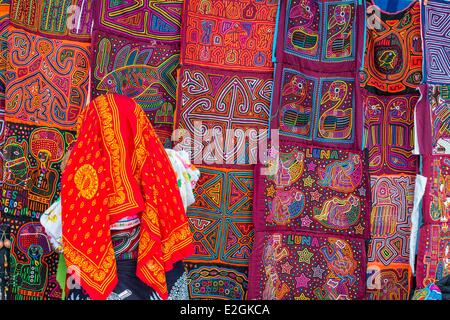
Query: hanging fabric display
x=393, y=63
x=225, y=150
x=305, y=266
x=46, y=88
x=4, y=22
x=433, y=128
x=314, y=189
x=436, y=41
x=392, y=72
x=433, y=256
x=4, y=230
x=311, y=214
x=231, y=35
x=223, y=110
x=318, y=54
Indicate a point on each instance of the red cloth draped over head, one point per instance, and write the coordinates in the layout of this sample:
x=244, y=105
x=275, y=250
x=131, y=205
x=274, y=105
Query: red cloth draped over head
x=118, y=168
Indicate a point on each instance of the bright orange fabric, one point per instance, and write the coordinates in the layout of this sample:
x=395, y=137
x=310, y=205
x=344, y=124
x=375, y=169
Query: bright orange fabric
x=117, y=168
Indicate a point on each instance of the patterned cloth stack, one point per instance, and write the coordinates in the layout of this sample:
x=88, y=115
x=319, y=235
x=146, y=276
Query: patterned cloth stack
x=392, y=72
x=312, y=202
x=223, y=107
x=433, y=144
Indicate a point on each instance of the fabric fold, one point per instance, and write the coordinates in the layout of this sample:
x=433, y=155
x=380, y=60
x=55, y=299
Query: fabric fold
x=119, y=168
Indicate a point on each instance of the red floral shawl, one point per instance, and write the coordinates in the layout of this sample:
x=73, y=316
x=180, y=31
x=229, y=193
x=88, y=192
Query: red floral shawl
x=119, y=168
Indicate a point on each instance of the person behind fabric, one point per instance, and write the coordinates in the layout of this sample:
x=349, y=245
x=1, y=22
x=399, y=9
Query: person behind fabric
x=119, y=177
x=124, y=235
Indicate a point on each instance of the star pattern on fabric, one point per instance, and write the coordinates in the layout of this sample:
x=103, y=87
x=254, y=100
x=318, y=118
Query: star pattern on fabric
x=311, y=166
x=308, y=181
x=301, y=281
x=305, y=256
x=359, y=229
x=306, y=221
x=315, y=196
x=270, y=192
x=362, y=191
x=286, y=268
x=318, y=272
x=302, y=297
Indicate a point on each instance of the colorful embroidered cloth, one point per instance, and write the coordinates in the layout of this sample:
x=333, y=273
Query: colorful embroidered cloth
x=433, y=120
x=393, y=59
x=321, y=35
x=433, y=141
x=4, y=22
x=319, y=192
x=232, y=35
x=221, y=221
x=143, y=71
x=32, y=160
x=151, y=20
x=392, y=205
x=389, y=132
x=32, y=155
x=391, y=75
x=66, y=20
x=306, y=266
x=47, y=80
x=314, y=190
x=223, y=111
x=389, y=275
x=436, y=39
x=317, y=107
x=436, y=201
x=33, y=263
x=47, y=86
x=434, y=241
x=433, y=254
x=119, y=168
x=311, y=213
x=229, y=110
